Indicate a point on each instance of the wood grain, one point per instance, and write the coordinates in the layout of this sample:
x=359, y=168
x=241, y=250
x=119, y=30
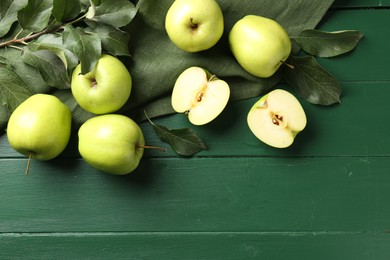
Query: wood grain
x=324, y=198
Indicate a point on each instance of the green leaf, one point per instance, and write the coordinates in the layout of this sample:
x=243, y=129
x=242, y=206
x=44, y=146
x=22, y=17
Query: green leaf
x=117, y=13
x=184, y=141
x=5, y=113
x=65, y=10
x=50, y=67
x=13, y=90
x=328, y=44
x=8, y=14
x=114, y=40
x=35, y=16
x=312, y=81
x=86, y=46
x=29, y=74
x=53, y=43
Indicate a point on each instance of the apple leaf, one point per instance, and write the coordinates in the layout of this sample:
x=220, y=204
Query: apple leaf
x=86, y=46
x=35, y=16
x=312, y=81
x=65, y=10
x=53, y=43
x=117, y=13
x=8, y=14
x=29, y=74
x=4, y=116
x=328, y=44
x=114, y=40
x=50, y=67
x=184, y=141
x=13, y=90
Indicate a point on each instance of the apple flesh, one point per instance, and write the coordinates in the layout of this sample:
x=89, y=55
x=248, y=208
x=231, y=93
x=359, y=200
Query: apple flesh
x=103, y=90
x=200, y=95
x=277, y=118
x=111, y=143
x=194, y=25
x=40, y=127
x=260, y=45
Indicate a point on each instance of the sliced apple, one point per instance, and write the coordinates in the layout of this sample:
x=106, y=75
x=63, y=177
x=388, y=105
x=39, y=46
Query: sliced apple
x=277, y=118
x=200, y=95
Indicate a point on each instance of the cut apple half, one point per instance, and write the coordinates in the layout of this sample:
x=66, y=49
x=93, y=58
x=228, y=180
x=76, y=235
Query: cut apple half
x=200, y=95
x=277, y=118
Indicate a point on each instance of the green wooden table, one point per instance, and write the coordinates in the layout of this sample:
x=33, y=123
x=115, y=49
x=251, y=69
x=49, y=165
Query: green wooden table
x=327, y=197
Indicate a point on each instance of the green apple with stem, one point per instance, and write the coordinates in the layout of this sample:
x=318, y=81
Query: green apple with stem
x=112, y=143
x=40, y=127
x=259, y=44
x=194, y=25
x=199, y=94
x=277, y=118
x=105, y=89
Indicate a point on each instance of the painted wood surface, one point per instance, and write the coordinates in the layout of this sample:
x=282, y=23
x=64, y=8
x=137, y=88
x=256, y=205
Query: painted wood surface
x=324, y=198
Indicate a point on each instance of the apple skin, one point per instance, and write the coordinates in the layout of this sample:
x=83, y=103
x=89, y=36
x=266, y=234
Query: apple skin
x=277, y=118
x=105, y=89
x=200, y=95
x=111, y=143
x=259, y=44
x=40, y=127
x=194, y=25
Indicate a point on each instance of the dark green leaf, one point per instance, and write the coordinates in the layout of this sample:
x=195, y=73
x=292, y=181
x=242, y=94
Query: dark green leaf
x=35, y=16
x=184, y=142
x=8, y=14
x=114, y=40
x=328, y=44
x=86, y=46
x=50, y=67
x=117, y=13
x=13, y=90
x=4, y=116
x=53, y=43
x=29, y=74
x=65, y=10
x=312, y=81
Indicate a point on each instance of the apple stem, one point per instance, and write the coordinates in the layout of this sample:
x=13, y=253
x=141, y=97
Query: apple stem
x=28, y=163
x=193, y=25
x=152, y=147
x=287, y=64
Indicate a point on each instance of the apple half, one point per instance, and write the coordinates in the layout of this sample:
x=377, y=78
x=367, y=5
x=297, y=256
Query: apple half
x=277, y=118
x=200, y=95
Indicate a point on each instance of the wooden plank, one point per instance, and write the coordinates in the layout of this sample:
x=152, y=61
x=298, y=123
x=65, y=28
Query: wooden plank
x=203, y=245
x=361, y=4
x=205, y=194
x=368, y=61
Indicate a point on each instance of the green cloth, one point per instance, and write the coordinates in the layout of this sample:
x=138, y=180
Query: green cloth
x=156, y=62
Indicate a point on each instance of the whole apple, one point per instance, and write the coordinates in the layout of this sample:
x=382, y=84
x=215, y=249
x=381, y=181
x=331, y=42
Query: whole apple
x=199, y=94
x=40, y=127
x=259, y=44
x=105, y=89
x=194, y=25
x=111, y=143
x=277, y=118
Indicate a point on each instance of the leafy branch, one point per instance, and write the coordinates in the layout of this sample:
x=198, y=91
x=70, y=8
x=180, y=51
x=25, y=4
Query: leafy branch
x=42, y=41
x=313, y=82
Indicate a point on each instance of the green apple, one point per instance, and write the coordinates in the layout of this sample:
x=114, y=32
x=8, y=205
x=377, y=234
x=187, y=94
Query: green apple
x=194, y=25
x=199, y=94
x=105, y=89
x=277, y=118
x=260, y=45
x=40, y=127
x=111, y=143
